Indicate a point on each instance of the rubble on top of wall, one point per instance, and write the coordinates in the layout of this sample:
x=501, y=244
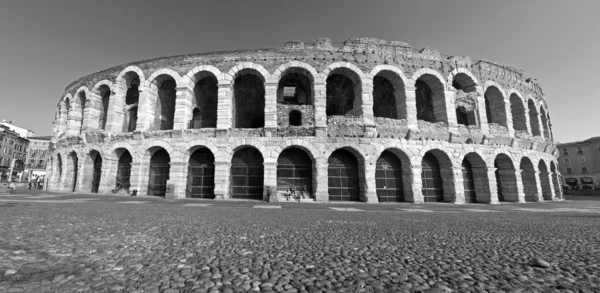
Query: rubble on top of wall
x=498, y=130
x=349, y=126
x=431, y=131
x=466, y=100
x=521, y=134
x=391, y=128
x=293, y=45
x=246, y=132
x=200, y=132
x=468, y=134
x=323, y=44
x=429, y=53
x=460, y=61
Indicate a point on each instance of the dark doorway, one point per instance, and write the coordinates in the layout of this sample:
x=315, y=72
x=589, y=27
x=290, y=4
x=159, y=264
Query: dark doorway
x=294, y=168
x=343, y=176
x=249, y=101
x=432, y=189
x=247, y=174
x=97, y=159
x=201, y=175
x=124, y=170
x=295, y=118
x=388, y=178
x=468, y=182
x=529, y=181
x=74, y=169
x=159, y=173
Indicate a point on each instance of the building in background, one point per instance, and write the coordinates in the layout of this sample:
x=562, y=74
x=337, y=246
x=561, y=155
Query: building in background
x=25, y=133
x=579, y=162
x=13, y=152
x=37, y=157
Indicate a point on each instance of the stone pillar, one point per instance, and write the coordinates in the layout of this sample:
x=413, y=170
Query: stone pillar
x=538, y=184
x=271, y=104
x=366, y=105
x=411, y=109
x=74, y=121
x=178, y=178
x=115, y=114
x=62, y=121
x=84, y=176
x=183, y=108
x=367, y=186
x=520, y=190
x=270, y=176
x=450, y=115
x=224, y=107
x=146, y=108
x=492, y=185
x=417, y=185
x=108, y=180
x=551, y=183
x=222, y=188
x=138, y=179
x=482, y=115
x=320, y=181
x=509, y=118
x=320, y=102
x=93, y=108
x=541, y=125
x=453, y=182
x=527, y=123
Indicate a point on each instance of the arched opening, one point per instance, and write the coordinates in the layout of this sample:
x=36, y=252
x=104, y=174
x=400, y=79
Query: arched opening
x=545, y=180
x=249, y=99
x=555, y=181
x=201, y=174
x=518, y=113
x=465, y=99
x=247, y=174
x=96, y=160
x=68, y=112
x=82, y=100
x=59, y=167
x=166, y=94
x=104, y=92
x=295, y=118
x=388, y=178
x=124, y=169
x=528, y=178
x=72, y=169
x=294, y=170
x=389, y=97
x=431, y=179
x=132, y=83
x=494, y=106
x=343, y=92
x=506, y=179
x=475, y=179
x=206, y=95
x=468, y=182
x=431, y=103
x=342, y=174
x=295, y=87
x=545, y=123
x=160, y=165
x=533, y=119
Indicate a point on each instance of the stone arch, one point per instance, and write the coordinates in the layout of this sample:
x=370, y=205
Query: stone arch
x=124, y=157
x=200, y=181
x=205, y=98
x=240, y=68
x=393, y=176
x=533, y=118
x=159, y=167
x=475, y=179
x=237, y=145
x=343, y=88
x=544, y=176
x=296, y=172
x=247, y=173
x=190, y=78
x=437, y=180
x=161, y=98
x=389, y=93
x=91, y=172
x=127, y=88
x=123, y=75
x=544, y=122
x=495, y=106
x=463, y=79
x=103, y=91
x=385, y=67
x=506, y=178
x=528, y=179
x=306, y=146
x=344, y=182
x=278, y=73
x=299, y=78
x=151, y=146
x=81, y=103
x=465, y=100
x=430, y=96
x=517, y=110
x=114, y=155
x=191, y=146
x=555, y=180
x=249, y=96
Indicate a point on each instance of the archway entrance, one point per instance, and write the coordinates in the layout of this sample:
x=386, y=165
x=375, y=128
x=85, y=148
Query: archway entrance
x=545, y=181
x=431, y=179
x=72, y=171
x=247, y=174
x=159, y=173
x=342, y=176
x=388, y=178
x=528, y=178
x=506, y=179
x=201, y=174
x=468, y=182
x=124, y=170
x=97, y=160
x=294, y=169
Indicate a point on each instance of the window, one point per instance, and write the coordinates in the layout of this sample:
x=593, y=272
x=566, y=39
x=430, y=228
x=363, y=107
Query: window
x=579, y=150
x=581, y=159
x=583, y=169
x=565, y=152
x=569, y=171
x=567, y=160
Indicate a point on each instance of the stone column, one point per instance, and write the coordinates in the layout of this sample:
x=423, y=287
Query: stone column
x=320, y=102
x=74, y=121
x=146, y=108
x=62, y=121
x=320, y=181
x=84, y=176
x=482, y=115
x=183, y=108
x=417, y=185
x=138, y=179
x=115, y=114
x=224, y=106
x=540, y=125
x=411, y=109
x=527, y=122
x=222, y=188
x=551, y=183
x=367, y=185
x=450, y=115
x=520, y=190
x=366, y=105
x=509, y=118
x=271, y=104
x=492, y=185
x=453, y=182
x=93, y=108
x=270, y=176
x=538, y=184
x=178, y=178
x=108, y=180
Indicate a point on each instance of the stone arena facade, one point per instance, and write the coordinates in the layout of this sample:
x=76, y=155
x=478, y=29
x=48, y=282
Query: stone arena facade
x=364, y=120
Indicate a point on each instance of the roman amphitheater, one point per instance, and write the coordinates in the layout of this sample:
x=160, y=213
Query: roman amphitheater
x=364, y=120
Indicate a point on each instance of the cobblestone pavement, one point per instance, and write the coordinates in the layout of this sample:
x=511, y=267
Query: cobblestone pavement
x=85, y=243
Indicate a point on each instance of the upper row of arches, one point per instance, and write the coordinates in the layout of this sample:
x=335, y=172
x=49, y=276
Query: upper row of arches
x=296, y=82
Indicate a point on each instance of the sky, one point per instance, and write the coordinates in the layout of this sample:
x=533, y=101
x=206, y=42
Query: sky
x=45, y=45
